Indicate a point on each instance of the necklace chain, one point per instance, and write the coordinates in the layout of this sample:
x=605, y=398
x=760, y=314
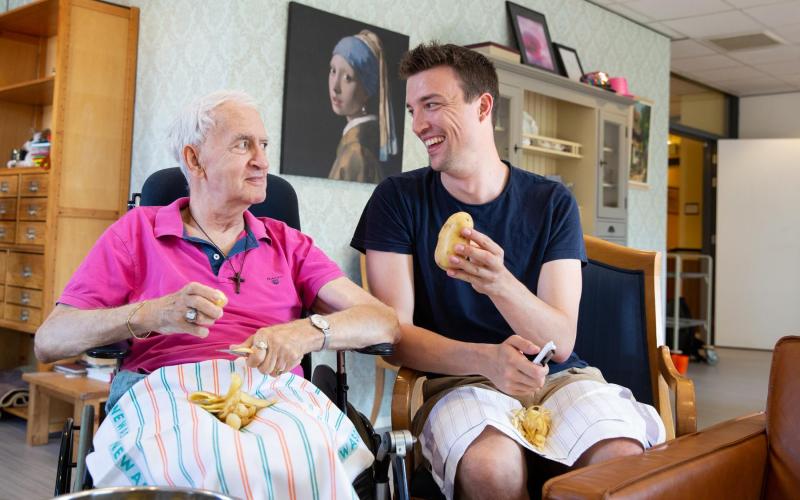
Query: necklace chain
x=237, y=276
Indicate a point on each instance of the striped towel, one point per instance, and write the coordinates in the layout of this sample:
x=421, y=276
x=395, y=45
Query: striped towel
x=301, y=447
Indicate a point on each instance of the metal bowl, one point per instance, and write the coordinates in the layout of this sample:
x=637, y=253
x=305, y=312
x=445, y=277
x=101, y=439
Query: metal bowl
x=146, y=493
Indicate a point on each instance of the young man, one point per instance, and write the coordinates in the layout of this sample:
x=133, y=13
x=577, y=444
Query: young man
x=513, y=289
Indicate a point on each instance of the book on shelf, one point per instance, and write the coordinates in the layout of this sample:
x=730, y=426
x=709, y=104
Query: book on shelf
x=75, y=368
x=496, y=50
x=101, y=373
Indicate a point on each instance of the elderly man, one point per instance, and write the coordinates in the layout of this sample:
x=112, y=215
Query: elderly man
x=513, y=288
x=182, y=281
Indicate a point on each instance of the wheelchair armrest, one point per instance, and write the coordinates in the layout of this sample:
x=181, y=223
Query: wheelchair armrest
x=384, y=349
x=117, y=350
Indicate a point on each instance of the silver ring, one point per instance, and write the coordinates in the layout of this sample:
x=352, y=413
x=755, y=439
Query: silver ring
x=261, y=345
x=190, y=315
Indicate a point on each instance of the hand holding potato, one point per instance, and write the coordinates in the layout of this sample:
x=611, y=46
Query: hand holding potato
x=167, y=314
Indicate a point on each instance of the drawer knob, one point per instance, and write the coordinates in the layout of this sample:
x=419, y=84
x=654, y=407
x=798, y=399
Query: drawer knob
x=31, y=233
x=4, y=187
x=33, y=187
x=25, y=298
x=32, y=210
x=27, y=272
x=2, y=233
x=611, y=229
x=3, y=210
x=24, y=315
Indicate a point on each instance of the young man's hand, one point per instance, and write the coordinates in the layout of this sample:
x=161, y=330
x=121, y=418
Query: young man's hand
x=512, y=372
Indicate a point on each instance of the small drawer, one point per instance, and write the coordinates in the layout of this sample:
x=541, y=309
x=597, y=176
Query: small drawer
x=610, y=229
x=8, y=186
x=8, y=208
x=24, y=297
x=8, y=232
x=33, y=185
x=22, y=314
x=30, y=233
x=25, y=270
x=32, y=208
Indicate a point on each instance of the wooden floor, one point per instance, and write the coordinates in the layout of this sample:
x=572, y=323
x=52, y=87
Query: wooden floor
x=736, y=386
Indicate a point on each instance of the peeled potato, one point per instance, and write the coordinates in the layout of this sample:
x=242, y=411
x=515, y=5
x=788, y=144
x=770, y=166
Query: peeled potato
x=221, y=299
x=450, y=236
x=236, y=408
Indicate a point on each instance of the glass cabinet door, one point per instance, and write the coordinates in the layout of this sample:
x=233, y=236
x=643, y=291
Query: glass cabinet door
x=507, y=126
x=613, y=171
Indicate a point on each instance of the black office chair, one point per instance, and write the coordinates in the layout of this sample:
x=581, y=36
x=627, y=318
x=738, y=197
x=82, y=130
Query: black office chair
x=162, y=188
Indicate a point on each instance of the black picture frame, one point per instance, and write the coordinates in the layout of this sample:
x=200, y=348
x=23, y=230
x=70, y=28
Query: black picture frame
x=533, y=37
x=313, y=133
x=569, y=62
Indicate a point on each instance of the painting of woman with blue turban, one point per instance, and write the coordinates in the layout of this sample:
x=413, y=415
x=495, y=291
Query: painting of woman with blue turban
x=359, y=92
x=343, y=98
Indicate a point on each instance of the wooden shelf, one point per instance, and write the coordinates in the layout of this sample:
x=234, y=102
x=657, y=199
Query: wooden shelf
x=38, y=92
x=18, y=411
x=35, y=19
x=568, y=149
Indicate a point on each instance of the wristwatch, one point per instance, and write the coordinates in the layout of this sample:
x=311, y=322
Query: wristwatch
x=321, y=324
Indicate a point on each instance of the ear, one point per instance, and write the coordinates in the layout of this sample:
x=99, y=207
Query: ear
x=486, y=104
x=191, y=157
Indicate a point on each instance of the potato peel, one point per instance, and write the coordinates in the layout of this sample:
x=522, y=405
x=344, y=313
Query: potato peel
x=534, y=423
x=235, y=408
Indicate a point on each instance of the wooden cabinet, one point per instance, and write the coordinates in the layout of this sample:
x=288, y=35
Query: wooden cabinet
x=581, y=137
x=68, y=66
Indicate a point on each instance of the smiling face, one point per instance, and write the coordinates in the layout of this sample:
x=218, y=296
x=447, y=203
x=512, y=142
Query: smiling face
x=233, y=157
x=346, y=92
x=448, y=126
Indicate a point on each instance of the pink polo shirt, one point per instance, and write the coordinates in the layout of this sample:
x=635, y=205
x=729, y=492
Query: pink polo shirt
x=144, y=256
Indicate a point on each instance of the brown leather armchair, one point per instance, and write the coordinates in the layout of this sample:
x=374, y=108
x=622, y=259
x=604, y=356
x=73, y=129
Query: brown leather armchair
x=756, y=456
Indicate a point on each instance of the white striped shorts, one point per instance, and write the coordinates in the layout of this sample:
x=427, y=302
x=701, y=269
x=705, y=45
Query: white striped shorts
x=583, y=413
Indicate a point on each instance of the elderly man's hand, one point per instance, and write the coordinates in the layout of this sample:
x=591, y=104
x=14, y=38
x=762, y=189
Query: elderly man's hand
x=509, y=369
x=168, y=314
x=279, y=348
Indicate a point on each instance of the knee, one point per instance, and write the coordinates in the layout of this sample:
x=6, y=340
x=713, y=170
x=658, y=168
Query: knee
x=609, y=449
x=493, y=466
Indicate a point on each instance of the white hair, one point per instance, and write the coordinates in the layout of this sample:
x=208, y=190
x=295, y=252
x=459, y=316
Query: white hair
x=191, y=126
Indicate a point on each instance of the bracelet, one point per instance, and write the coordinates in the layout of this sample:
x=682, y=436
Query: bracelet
x=128, y=322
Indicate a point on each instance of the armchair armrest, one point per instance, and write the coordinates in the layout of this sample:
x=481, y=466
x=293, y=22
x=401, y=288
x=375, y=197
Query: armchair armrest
x=724, y=461
x=685, y=410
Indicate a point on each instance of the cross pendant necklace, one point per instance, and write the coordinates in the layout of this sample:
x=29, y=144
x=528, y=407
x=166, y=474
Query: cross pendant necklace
x=236, y=279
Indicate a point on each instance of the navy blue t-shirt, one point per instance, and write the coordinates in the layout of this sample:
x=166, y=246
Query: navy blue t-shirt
x=534, y=220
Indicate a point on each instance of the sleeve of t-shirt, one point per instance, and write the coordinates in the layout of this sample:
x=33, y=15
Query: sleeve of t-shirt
x=566, y=235
x=105, y=278
x=311, y=268
x=385, y=223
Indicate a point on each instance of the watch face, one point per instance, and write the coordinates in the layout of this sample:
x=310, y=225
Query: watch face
x=319, y=321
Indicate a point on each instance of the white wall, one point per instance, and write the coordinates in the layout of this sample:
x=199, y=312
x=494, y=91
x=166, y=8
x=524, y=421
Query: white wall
x=770, y=116
x=758, y=242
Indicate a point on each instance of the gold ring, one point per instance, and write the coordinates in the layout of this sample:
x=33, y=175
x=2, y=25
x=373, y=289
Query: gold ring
x=261, y=345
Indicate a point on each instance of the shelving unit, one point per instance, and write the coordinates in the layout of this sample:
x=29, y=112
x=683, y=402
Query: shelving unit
x=583, y=139
x=706, y=275
x=68, y=66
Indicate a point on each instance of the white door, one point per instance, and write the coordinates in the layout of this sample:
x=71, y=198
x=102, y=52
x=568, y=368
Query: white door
x=758, y=242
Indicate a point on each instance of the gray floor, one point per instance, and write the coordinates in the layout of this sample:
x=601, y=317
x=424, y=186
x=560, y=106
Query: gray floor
x=734, y=387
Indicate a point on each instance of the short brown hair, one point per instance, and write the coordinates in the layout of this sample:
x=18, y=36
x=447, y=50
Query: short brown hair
x=477, y=74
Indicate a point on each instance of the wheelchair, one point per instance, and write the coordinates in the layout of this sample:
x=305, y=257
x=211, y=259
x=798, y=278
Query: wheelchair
x=162, y=188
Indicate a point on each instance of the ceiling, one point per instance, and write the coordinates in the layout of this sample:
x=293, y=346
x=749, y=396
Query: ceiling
x=690, y=24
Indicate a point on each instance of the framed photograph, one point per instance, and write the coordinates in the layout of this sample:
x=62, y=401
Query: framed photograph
x=640, y=142
x=569, y=62
x=343, y=103
x=533, y=37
